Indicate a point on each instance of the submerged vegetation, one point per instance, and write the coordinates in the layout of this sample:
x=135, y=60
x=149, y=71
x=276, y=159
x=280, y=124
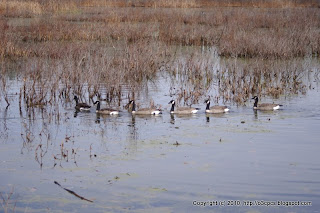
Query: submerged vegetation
x=111, y=49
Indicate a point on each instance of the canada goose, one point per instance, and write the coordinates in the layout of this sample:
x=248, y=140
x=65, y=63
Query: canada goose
x=143, y=111
x=264, y=106
x=215, y=109
x=106, y=111
x=182, y=110
x=81, y=106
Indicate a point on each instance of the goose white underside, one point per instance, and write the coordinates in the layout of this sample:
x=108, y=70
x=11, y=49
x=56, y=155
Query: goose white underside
x=212, y=111
x=85, y=109
x=267, y=108
x=155, y=112
x=114, y=113
x=110, y=113
x=276, y=107
x=185, y=112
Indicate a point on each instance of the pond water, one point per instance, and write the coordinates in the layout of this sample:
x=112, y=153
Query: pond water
x=162, y=163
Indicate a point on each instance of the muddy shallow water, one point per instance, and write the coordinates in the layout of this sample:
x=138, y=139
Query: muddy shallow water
x=163, y=163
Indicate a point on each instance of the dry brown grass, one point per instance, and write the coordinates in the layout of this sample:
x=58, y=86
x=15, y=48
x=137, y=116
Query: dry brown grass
x=260, y=3
x=142, y=3
x=203, y=3
x=175, y=4
x=30, y=8
x=60, y=6
x=242, y=32
x=20, y=8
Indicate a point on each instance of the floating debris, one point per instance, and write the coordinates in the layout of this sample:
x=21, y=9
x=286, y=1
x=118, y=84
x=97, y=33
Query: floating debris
x=177, y=144
x=72, y=192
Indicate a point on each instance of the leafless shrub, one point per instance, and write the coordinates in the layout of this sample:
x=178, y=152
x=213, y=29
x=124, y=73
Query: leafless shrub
x=7, y=202
x=240, y=81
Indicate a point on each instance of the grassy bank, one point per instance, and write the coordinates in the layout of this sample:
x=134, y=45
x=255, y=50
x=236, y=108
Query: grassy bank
x=236, y=32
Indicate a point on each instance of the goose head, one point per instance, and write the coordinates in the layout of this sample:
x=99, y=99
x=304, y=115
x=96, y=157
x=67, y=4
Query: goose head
x=132, y=105
x=172, y=102
x=75, y=98
x=207, y=101
x=256, y=99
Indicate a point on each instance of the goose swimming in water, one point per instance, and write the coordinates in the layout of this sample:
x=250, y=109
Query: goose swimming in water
x=81, y=106
x=105, y=111
x=264, y=106
x=215, y=109
x=143, y=111
x=182, y=110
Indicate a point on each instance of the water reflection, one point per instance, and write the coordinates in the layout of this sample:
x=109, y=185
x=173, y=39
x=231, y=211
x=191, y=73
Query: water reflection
x=105, y=117
x=172, y=119
x=255, y=113
x=215, y=115
x=75, y=114
x=98, y=117
x=207, y=118
x=133, y=133
x=266, y=113
x=5, y=131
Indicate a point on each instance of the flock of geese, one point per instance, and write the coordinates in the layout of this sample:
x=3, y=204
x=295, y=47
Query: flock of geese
x=174, y=110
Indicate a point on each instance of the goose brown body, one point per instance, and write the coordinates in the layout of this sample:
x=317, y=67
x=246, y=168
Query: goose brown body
x=264, y=106
x=81, y=106
x=215, y=109
x=143, y=111
x=182, y=110
x=105, y=111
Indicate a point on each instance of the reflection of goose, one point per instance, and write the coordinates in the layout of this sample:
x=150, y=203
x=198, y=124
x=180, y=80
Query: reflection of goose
x=143, y=111
x=264, y=106
x=215, y=109
x=105, y=111
x=81, y=106
x=182, y=110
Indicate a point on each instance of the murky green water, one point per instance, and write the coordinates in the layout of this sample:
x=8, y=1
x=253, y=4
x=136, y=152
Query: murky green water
x=162, y=163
